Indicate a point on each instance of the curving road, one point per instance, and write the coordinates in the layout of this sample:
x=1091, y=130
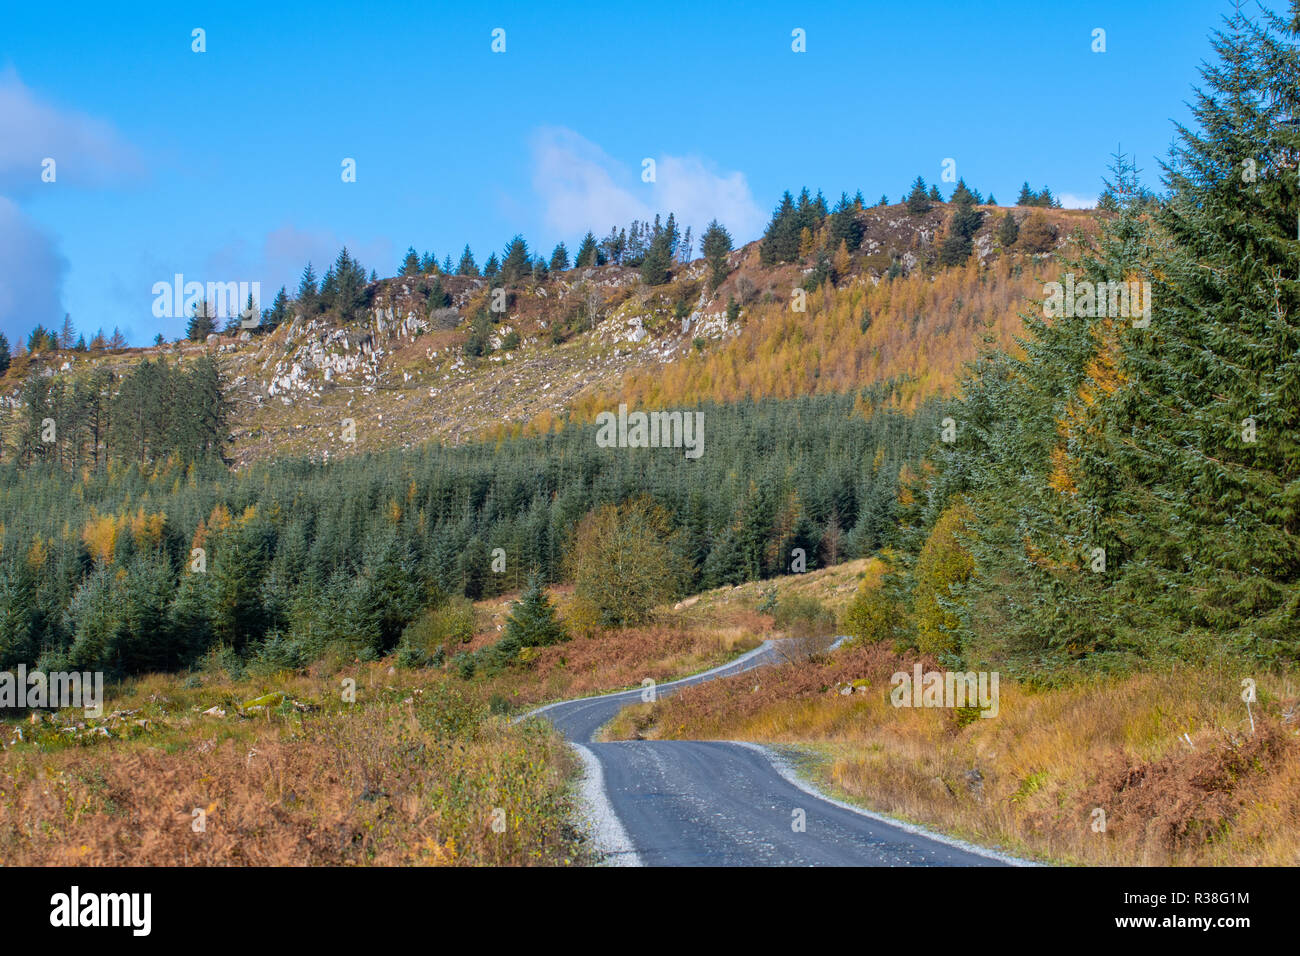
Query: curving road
x=723, y=803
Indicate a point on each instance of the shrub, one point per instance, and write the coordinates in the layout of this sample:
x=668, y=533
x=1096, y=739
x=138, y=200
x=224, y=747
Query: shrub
x=942, y=563
x=746, y=290
x=800, y=616
x=874, y=614
x=222, y=663
x=277, y=653
x=624, y=562
x=465, y=665
x=1037, y=234
x=448, y=624
x=410, y=656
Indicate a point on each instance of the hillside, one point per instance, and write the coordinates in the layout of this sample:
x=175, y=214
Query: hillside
x=590, y=338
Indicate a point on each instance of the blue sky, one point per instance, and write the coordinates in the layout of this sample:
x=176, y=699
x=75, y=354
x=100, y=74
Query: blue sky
x=225, y=165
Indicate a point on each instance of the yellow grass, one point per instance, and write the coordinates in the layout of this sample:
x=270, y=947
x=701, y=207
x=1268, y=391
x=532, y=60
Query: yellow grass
x=1030, y=778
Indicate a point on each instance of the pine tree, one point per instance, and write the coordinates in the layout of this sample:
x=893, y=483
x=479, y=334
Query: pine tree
x=733, y=309
x=918, y=199
x=1207, y=422
x=587, y=252
x=532, y=621
x=658, y=260
x=714, y=246
x=781, y=238
x=307, y=293
x=67, y=334
x=349, y=286
x=239, y=563
x=5, y=357
x=964, y=194
x=966, y=220
x=516, y=262
x=685, y=248
x=18, y=614
x=637, y=243
x=560, y=259
x=1008, y=231
x=809, y=211
x=472, y=565
x=467, y=267
x=673, y=237
x=200, y=326
x=491, y=267
x=279, y=310
x=820, y=209
x=845, y=226
x=1027, y=196
x=478, y=342
x=439, y=298
x=411, y=264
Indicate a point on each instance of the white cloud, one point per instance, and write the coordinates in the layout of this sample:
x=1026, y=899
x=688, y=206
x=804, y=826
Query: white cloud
x=280, y=257
x=87, y=151
x=1071, y=201
x=31, y=274
x=690, y=189
x=581, y=187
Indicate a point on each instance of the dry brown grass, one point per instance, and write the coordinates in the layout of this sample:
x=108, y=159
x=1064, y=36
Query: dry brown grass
x=617, y=659
x=1030, y=778
x=407, y=775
